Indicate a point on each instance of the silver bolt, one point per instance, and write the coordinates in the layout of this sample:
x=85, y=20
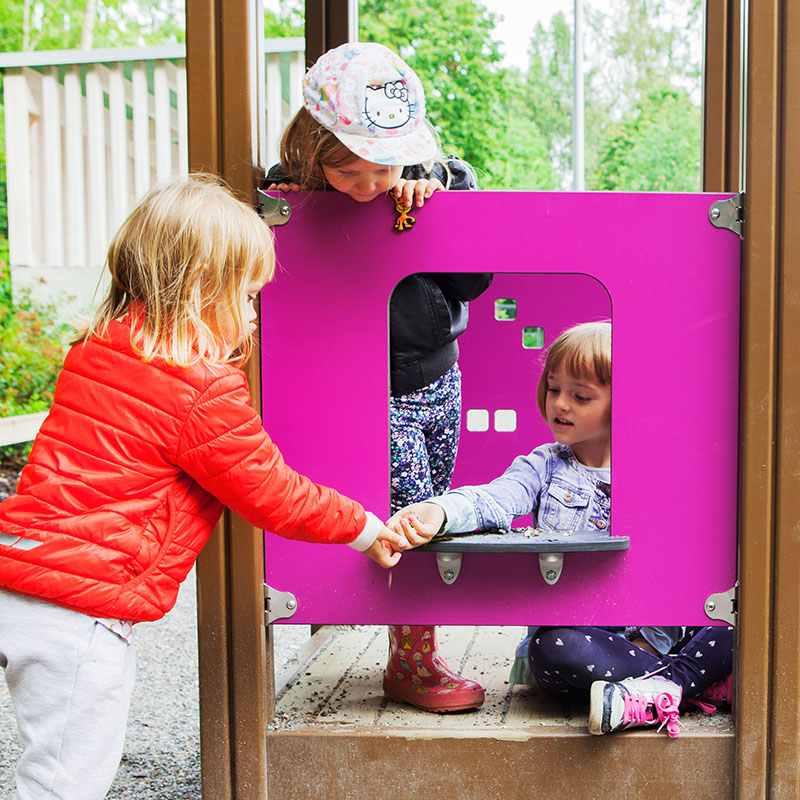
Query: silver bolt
x=550, y=574
x=291, y=604
x=710, y=605
x=449, y=575
x=285, y=211
x=715, y=212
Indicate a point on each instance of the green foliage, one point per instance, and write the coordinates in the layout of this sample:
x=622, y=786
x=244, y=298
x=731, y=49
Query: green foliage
x=5, y=275
x=65, y=24
x=288, y=20
x=478, y=106
x=656, y=150
x=32, y=348
x=642, y=94
x=548, y=89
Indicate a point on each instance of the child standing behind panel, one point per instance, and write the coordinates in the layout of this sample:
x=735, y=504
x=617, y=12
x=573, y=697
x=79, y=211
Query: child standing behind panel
x=566, y=485
x=363, y=132
x=150, y=434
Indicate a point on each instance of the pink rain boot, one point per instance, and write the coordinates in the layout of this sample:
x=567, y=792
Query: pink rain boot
x=416, y=674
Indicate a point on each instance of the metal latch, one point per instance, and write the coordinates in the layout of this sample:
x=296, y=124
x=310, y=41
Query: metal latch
x=722, y=606
x=274, y=210
x=278, y=605
x=729, y=214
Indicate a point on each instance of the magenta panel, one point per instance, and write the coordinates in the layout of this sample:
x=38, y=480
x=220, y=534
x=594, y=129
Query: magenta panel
x=651, y=262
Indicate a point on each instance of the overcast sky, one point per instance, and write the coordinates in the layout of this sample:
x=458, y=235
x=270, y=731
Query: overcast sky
x=519, y=19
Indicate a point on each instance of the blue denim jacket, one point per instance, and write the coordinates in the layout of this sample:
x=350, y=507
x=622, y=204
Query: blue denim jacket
x=561, y=494
x=549, y=483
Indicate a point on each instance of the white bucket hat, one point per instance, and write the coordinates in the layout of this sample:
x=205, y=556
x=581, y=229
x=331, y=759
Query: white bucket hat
x=373, y=102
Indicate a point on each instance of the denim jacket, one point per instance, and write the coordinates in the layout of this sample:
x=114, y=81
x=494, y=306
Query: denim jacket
x=561, y=494
x=549, y=483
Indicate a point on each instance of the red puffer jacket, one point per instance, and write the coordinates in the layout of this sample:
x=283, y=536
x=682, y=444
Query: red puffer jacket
x=129, y=475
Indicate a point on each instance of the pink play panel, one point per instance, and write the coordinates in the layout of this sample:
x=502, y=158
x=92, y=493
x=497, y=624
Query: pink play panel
x=652, y=263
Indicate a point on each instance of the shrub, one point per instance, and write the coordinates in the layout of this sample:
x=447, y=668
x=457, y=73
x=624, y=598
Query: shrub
x=32, y=348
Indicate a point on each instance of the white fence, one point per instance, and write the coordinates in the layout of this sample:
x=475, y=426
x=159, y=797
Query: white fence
x=87, y=131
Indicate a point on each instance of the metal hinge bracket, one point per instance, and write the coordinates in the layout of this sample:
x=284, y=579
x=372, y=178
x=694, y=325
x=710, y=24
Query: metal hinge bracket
x=722, y=606
x=273, y=210
x=278, y=605
x=729, y=214
x=550, y=565
x=449, y=565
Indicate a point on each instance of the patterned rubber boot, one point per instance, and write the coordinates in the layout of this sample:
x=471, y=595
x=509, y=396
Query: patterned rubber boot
x=416, y=674
x=634, y=702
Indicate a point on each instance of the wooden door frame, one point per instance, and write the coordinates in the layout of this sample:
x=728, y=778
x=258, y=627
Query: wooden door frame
x=236, y=675
x=235, y=659
x=768, y=691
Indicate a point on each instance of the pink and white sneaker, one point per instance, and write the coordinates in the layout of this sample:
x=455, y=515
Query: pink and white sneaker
x=617, y=706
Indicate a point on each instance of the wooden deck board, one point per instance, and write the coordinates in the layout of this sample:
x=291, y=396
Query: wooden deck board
x=339, y=685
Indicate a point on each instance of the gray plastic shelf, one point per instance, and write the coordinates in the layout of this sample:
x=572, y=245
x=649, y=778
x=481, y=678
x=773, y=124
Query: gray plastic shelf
x=525, y=540
x=550, y=545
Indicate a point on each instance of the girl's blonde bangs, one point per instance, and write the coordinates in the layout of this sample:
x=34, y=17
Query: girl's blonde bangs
x=583, y=351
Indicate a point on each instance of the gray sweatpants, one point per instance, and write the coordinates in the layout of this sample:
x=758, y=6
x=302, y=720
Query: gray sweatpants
x=70, y=680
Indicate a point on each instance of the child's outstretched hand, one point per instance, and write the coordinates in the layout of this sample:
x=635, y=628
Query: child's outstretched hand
x=416, y=192
x=419, y=522
x=387, y=548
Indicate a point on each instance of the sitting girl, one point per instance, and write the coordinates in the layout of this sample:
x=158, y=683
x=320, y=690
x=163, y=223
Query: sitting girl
x=566, y=485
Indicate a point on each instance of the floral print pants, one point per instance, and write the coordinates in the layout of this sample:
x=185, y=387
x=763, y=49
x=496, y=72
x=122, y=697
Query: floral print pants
x=424, y=429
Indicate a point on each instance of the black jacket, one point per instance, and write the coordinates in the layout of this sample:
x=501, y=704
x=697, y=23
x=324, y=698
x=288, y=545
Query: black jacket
x=427, y=310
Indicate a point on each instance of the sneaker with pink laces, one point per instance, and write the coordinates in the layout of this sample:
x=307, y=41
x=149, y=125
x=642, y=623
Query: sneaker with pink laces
x=616, y=706
x=719, y=694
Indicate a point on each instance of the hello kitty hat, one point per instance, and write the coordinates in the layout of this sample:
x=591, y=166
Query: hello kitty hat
x=373, y=102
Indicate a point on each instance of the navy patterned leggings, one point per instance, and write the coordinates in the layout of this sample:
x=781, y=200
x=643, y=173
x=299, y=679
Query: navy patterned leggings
x=424, y=427
x=566, y=661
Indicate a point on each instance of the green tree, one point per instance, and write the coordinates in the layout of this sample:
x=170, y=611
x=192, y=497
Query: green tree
x=642, y=89
x=656, y=148
x=287, y=20
x=65, y=24
x=548, y=91
x=476, y=104
x=643, y=96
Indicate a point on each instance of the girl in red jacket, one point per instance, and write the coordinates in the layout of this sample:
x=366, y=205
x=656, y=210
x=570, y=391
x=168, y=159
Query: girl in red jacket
x=150, y=435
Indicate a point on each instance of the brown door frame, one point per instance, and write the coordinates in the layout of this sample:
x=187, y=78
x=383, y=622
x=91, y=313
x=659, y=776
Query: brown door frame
x=236, y=676
x=768, y=696
x=235, y=660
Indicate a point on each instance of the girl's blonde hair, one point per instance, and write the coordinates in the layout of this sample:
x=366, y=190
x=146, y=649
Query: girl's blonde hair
x=306, y=146
x=181, y=263
x=584, y=351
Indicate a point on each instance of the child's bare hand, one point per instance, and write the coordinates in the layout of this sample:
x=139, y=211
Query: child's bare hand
x=285, y=187
x=419, y=522
x=416, y=192
x=387, y=548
